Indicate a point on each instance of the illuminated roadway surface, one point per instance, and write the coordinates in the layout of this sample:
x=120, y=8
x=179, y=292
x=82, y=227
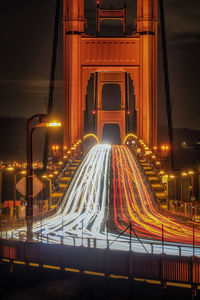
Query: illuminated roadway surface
x=134, y=202
x=84, y=212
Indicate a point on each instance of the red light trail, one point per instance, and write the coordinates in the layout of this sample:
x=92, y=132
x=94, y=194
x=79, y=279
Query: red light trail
x=134, y=203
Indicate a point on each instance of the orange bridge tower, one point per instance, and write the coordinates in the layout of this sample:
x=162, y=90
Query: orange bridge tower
x=111, y=60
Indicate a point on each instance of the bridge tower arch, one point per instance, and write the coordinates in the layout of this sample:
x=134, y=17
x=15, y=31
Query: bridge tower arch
x=134, y=54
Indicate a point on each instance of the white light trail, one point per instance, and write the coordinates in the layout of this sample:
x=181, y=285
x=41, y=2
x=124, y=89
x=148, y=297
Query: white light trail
x=84, y=204
x=84, y=211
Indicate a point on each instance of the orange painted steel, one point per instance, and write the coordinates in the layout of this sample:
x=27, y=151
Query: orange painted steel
x=163, y=268
x=110, y=117
x=135, y=54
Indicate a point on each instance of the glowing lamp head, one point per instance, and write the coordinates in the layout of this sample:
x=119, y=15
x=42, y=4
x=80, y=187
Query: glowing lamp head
x=94, y=112
x=53, y=124
x=10, y=169
x=191, y=172
x=128, y=112
x=184, y=174
x=98, y=2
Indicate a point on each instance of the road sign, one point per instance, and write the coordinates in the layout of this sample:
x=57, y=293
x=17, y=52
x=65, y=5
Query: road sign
x=38, y=186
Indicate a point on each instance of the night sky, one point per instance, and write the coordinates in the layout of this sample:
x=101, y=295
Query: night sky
x=26, y=34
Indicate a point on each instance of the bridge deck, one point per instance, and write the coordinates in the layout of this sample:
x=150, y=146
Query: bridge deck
x=103, y=262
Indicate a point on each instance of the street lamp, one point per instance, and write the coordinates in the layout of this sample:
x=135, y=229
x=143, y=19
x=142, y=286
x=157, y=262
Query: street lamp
x=191, y=174
x=173, y=179
x=183, y=175
x=43, y=122
x=49, y=178
x=15, y=173
x=12, y=208
x=165, y=156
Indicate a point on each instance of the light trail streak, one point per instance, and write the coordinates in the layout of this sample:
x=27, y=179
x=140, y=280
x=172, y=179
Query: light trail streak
x=84, y=204
x=137, y=205
x=84, y=209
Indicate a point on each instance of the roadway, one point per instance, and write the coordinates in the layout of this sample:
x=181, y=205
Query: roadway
x=84, y=211
x=134, y=203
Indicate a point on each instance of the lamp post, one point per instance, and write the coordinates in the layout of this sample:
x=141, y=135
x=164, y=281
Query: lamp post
x=43, y=122
x=191, y=174
x=173, y=178
x=165, y=156
x=1, y=189
x=183, y=175
x=15, y=190
x=12, y=170
x=49, y=178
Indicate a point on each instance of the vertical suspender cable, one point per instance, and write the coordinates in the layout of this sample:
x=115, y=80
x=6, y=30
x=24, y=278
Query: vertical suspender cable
x=126, y=104
x=167, y=86
x=52, y=80
x=95, y=101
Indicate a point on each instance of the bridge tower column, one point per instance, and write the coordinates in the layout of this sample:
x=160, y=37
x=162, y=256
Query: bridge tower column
x=147, y=22
x=73, y=27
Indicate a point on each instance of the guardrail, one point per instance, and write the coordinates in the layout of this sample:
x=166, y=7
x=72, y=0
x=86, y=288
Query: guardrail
x=125, y=244
x=103, y=262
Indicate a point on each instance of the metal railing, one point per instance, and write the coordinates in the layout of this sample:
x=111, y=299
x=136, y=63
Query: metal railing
x=124, y=242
